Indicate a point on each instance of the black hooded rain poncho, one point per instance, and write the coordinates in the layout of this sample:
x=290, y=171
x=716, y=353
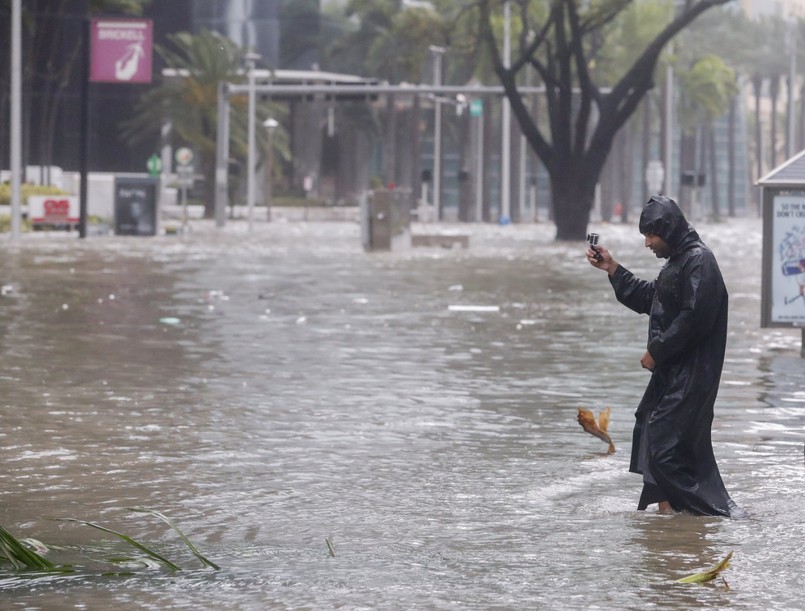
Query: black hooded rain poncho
x=687, y=335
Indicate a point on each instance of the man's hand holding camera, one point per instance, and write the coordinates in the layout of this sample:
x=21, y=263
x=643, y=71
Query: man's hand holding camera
x=598, y=256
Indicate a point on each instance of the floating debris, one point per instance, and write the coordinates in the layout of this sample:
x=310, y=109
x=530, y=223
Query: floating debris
x=710, y=574
x=21, y=556
x=597, y=429
x=473, y=308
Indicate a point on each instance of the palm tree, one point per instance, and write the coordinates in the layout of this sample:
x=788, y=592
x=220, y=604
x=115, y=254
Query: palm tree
x=707, y=88
x=391, y=43
x=190, y=103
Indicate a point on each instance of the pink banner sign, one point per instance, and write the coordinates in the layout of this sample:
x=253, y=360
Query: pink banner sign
x=121, y=50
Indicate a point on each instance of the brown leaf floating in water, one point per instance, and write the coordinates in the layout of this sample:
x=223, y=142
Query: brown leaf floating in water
x=597, y=429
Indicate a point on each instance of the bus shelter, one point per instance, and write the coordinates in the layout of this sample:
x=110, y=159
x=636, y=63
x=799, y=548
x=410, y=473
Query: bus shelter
x=783, y=277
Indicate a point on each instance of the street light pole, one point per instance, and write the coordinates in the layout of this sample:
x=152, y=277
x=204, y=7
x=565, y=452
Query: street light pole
x=438, y=53
x=792, y=75
x=251, y=58
x=505, y=177
x=270, y=124
x=16, y=116
x=222, y=156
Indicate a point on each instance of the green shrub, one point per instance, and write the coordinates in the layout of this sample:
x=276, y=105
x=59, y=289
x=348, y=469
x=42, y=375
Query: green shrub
x=5, y=224
x=26, y=191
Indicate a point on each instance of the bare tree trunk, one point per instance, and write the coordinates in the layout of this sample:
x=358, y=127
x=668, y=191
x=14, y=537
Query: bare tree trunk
x=573, y=196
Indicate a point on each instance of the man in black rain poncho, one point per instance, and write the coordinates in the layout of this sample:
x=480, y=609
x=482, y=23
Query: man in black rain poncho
x=687, y=336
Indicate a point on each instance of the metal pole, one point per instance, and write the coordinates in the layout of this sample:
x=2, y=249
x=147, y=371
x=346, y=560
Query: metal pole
x=669, y=124
x=16, y=116
x=792, y=75
x=270, y=124
x=523, y=202
x=84, y=136
x=279, y=89
x=479, y=173
x=438, y=52
x=250, y=158
x=505, y=157
x=222, y=156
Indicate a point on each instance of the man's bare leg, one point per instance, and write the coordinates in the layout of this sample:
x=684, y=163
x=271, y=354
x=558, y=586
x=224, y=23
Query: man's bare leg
x=665, y=507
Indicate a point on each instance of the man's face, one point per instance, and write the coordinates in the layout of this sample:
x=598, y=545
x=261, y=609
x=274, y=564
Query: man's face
x=658, y=246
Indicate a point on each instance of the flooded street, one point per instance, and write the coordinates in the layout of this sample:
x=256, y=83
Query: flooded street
x=277, y=390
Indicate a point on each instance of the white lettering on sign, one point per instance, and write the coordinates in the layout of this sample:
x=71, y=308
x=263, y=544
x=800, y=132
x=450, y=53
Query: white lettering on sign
x=133, y=35
x=132, y=193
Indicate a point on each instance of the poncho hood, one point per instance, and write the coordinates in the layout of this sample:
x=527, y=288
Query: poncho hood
x=662, y=217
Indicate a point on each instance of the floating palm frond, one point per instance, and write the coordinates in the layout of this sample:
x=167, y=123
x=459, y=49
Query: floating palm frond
x=149, y=552
x=26, y=554
x=167, y=520
x=20, y=555
x=597, y=429
x=710, y=574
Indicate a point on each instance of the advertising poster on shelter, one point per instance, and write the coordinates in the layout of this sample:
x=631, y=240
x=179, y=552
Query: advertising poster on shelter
x=788, y=260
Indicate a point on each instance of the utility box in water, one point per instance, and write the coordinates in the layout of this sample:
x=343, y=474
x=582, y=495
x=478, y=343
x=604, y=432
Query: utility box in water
x=136, y=201
x=386, y=220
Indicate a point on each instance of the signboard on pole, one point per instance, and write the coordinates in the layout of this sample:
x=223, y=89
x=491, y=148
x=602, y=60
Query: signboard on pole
x=121, y=50
x=136, y=206
x=53, y=210
x=785, y=263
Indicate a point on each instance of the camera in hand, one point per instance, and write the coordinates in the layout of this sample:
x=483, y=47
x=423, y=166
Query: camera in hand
x=592, y=240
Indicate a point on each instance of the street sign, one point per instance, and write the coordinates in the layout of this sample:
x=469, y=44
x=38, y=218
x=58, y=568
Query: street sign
x=121, y=50
x=184, y=156
x=154, y=165
x=185, y=176
x=53, y=210
x=476, y=107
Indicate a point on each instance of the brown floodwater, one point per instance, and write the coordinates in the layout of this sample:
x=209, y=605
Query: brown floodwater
x=275, y=391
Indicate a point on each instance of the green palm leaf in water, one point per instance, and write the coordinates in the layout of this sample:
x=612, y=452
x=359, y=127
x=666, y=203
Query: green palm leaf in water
x=128, y=540
x=169, y=522
x=19, y=555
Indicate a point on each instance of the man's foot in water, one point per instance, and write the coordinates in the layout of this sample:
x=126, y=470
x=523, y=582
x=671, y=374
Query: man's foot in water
x=664, y=507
